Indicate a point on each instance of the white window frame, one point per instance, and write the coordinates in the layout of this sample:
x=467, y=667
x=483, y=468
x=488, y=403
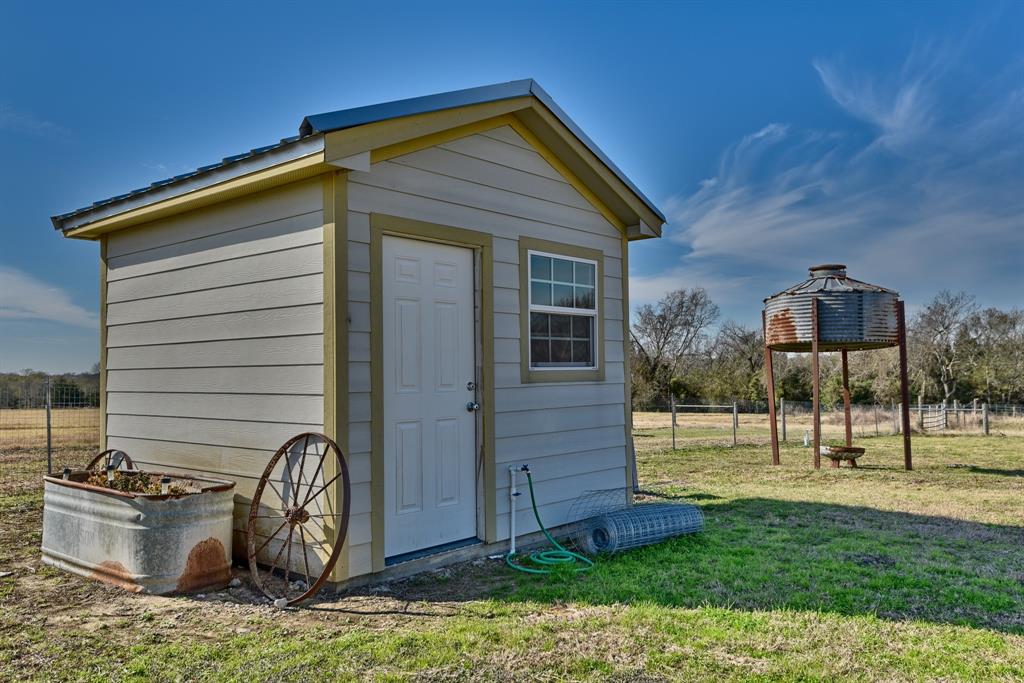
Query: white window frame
x=561, y=310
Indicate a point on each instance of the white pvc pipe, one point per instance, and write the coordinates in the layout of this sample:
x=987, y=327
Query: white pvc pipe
x=512, y=495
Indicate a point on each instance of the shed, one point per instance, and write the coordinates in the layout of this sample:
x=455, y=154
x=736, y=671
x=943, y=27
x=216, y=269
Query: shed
x=373, y=278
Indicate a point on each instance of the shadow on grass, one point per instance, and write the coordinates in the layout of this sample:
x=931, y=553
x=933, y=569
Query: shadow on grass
x=762, y=554
x=992, y=470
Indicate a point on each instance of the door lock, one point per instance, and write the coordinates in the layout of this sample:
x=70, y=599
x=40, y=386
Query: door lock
x=471, y=385
x=472, y=406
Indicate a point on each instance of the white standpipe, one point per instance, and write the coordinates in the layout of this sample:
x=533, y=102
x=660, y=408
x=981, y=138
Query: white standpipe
x=513, y=493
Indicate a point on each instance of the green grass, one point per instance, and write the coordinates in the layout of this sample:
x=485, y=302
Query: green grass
x=866, y=574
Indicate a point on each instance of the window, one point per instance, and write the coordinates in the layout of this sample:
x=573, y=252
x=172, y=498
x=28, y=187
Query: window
x=563, y=309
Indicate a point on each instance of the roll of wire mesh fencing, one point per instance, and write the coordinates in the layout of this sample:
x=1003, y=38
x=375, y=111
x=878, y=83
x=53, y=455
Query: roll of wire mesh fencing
x=609, y=524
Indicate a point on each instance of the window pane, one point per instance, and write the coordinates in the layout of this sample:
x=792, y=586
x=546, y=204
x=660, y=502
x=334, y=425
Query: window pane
x=539, y=324
x=561, y=351
x=540, y=294
x=539, y=351
x=584, y=273
x=585, y=297
x=563, y=270
x=540, y=267
x=581, y=327
x=560, y=326
x=581, y=352
x=562, y=296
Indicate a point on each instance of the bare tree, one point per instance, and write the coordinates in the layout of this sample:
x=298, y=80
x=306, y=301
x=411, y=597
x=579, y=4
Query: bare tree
x=664, y=332
x=937, y=335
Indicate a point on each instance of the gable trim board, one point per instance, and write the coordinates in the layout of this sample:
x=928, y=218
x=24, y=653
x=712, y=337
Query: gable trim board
x=380, y=225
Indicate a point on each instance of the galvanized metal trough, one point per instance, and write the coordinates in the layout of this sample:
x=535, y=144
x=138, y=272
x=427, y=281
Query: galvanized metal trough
x=144, y=543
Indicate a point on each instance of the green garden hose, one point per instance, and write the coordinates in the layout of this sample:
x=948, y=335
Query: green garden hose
x=547, y=561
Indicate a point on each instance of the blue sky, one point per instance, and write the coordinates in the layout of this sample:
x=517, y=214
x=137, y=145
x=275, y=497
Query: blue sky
x=888, y=136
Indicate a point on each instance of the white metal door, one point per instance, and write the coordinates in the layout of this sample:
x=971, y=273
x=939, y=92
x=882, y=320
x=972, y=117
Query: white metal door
x=429, y=432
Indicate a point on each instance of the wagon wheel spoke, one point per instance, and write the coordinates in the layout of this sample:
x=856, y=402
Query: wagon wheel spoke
x=270, y=538
x=319, y=468
x=273, y=565
x=305, y=556
x=302, y=466
x=322, y=489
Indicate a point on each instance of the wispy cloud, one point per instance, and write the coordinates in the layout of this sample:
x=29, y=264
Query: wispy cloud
x=23, y=296
x=932, y=190
x=23, y=122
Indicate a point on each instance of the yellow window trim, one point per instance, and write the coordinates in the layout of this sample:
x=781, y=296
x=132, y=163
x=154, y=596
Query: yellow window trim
x=527, y=374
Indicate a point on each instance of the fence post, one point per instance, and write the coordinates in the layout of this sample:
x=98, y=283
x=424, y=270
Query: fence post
x=895, y=417
x=782, y=405
x=735, y=421
x=920, y=412
x=876, y=419
x=984, y=418
x=673, y=421
x=49, y=430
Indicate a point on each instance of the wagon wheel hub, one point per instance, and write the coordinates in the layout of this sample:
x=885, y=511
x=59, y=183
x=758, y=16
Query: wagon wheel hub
x=296, y=515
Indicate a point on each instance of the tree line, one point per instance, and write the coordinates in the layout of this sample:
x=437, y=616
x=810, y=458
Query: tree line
x=957, y=350
x=28, y=388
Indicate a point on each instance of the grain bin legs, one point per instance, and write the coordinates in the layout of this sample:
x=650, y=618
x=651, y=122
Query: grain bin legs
x=815, y=385
x=769, y=376
x=901, y=321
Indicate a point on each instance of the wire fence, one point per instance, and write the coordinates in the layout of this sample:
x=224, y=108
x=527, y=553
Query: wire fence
x=688, y=422
x=48, y=413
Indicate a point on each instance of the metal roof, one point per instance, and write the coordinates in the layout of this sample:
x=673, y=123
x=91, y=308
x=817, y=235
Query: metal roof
x=349, y=118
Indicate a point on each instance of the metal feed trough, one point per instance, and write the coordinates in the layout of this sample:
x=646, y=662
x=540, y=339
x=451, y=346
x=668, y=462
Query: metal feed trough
x=831, y=311
x=144, y=543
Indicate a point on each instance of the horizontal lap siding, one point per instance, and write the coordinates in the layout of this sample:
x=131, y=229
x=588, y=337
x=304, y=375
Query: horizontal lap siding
x=215, y=336
x=572, y=434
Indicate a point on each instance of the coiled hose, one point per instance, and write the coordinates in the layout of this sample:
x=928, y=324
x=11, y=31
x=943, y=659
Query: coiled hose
x=548, y=561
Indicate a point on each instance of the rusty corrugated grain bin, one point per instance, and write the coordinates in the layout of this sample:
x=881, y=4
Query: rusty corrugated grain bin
x=852, y=315
x=143, y=543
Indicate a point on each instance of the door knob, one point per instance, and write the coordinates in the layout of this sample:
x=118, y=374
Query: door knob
x=472, y=406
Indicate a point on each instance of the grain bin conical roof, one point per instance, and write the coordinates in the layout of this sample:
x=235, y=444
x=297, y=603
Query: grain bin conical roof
x=851, y=314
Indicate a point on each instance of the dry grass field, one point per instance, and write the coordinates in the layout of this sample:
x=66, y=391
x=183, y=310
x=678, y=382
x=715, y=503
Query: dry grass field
x=25, y=428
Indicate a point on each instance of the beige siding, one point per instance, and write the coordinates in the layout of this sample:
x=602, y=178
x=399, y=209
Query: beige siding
x=215, y=335
x=495, y=182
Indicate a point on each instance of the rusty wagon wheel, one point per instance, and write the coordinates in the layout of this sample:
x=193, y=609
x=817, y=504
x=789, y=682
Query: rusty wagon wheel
x=111, y=456
x=297, y=512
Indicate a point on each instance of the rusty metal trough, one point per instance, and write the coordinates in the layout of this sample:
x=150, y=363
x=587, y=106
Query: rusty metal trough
x=144, y=543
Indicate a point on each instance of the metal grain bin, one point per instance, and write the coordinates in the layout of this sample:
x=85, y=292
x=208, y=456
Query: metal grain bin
x=143, y=543
x=851, y=314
